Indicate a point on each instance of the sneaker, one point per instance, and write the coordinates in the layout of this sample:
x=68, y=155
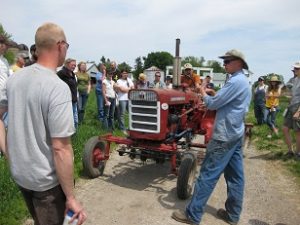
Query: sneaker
x=180, y=216
x=297, y=156
x=223, y=215
x=269, y=136
x=125, y=132
x=290, y=154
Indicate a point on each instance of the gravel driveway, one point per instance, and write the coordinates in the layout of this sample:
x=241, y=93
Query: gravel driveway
x=133, y=193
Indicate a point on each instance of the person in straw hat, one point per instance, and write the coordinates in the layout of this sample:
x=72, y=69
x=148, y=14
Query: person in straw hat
x=272, y=104
x=191, y=79
x=224, y=151
x=142, y=82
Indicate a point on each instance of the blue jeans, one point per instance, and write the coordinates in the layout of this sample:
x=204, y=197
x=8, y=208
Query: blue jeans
x=220, y=157
x=5, y=119
x=75, y=114
x=270, y=117
x=100, y=104
x=83, y=97
x=108, y=121
x=259, y=112
x=123, y=105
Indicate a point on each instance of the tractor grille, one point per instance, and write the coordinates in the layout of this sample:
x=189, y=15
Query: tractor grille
x=144, y=111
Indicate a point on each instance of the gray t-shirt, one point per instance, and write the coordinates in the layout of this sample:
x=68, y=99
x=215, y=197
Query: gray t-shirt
x=295, y=91
x=40, y=108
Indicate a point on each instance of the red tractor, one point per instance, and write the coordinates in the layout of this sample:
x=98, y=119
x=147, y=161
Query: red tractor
x=162, y=124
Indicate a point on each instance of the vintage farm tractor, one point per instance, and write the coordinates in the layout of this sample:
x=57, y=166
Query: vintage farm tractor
x=162, y=124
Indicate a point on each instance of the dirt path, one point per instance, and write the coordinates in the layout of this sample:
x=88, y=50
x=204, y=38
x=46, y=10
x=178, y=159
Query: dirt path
x=131, y=193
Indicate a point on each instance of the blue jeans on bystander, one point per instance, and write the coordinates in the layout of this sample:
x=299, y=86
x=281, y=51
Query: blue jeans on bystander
x=108, y=121
x=100, y=105
x=75, y=114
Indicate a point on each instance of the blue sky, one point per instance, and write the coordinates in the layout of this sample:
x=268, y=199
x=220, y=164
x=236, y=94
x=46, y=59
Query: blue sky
x=266, y=31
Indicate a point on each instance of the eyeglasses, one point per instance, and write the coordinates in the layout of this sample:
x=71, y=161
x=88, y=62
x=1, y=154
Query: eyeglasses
x=64, y=42
x=296, y=68
x=227, y=61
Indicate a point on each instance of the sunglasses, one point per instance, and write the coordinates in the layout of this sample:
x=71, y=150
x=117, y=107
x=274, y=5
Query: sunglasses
x=227, y=61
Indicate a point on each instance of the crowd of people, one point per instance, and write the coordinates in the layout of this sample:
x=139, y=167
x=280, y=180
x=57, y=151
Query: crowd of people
x=266, y=97
x=46, y=115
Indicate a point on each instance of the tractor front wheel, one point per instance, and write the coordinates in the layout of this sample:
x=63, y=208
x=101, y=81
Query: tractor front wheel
x=94, y=157
x=186, y=176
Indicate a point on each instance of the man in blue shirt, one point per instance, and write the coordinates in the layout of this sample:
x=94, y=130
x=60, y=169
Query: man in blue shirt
x=224, y=151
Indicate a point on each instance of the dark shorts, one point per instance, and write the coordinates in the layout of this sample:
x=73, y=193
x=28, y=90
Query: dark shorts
x=289, y=121
x=46, y=207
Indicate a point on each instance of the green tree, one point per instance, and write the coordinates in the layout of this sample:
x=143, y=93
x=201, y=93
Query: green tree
x=103, y=60
x=124, y=66
x=218, y=68
x=158, y=59
x=138, y=68
x=196, y=62
x=9, y=55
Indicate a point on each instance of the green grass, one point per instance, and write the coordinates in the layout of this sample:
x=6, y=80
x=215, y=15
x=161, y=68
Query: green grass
x=12, y=207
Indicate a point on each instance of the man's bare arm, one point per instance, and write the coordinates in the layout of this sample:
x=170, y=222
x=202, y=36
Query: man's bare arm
x=2, y=132
x=63, y=160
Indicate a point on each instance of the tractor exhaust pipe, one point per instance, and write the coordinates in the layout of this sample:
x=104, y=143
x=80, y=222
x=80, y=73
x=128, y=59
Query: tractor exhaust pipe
x=177, y=66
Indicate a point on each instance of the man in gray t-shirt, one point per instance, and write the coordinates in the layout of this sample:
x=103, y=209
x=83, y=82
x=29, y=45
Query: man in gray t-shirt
x=292, y=116
x=39, y=149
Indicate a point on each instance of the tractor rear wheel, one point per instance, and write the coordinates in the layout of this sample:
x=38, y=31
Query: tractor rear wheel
x=93, y=157
x=186, y=176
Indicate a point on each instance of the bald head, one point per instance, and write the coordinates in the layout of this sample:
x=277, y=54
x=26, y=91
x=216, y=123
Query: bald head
x=48, y=35
x=51, y=45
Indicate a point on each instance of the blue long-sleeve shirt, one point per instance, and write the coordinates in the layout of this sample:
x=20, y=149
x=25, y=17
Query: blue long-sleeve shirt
x=232, y=103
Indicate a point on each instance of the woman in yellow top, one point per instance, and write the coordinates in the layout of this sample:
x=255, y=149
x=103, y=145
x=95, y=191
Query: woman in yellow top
x=84, y=88
x=272, y=103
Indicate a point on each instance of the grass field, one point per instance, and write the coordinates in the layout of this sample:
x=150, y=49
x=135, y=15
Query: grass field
x=13, y=210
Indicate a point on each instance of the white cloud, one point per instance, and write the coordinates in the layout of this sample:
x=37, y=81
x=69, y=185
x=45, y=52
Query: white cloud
x=267, y=31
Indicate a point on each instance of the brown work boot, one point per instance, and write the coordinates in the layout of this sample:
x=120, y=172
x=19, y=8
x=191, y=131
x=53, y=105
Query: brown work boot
x=223, y=215
x=180, y=216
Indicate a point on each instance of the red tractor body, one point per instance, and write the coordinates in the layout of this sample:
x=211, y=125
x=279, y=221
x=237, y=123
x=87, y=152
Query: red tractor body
x=162, y=124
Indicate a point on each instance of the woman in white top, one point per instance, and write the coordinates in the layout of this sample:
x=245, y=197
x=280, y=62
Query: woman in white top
x=124, y=84
x=109, y=96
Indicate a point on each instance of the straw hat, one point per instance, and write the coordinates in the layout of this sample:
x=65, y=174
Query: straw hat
x=188, y=66
x=142, y=77
x=275, y=79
